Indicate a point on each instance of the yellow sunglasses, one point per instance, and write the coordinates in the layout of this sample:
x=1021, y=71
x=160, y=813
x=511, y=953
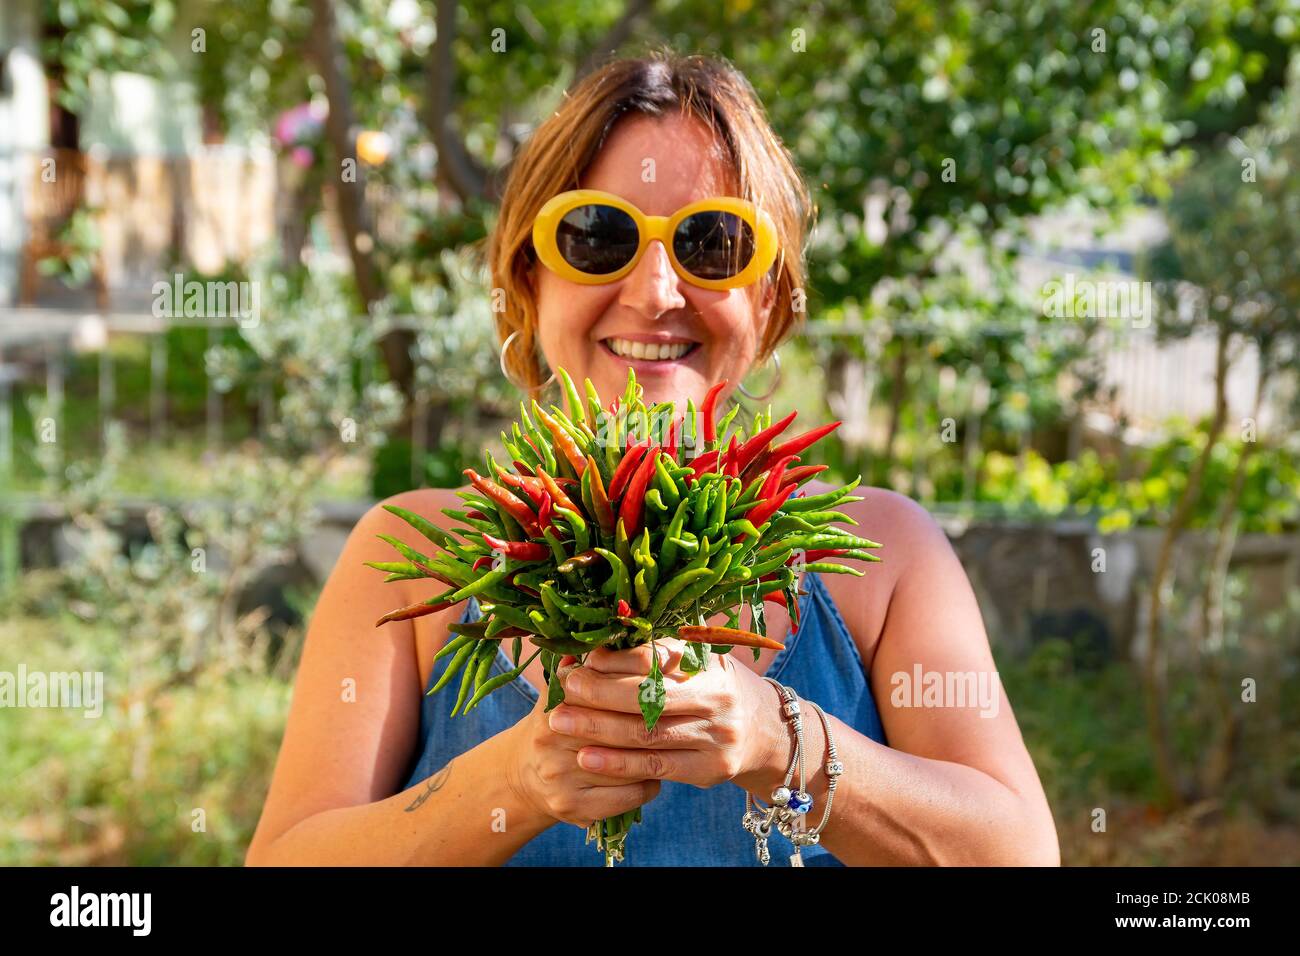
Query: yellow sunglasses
x=594, y=237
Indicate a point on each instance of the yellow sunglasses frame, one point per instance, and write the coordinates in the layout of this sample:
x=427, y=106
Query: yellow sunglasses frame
x=649, y=228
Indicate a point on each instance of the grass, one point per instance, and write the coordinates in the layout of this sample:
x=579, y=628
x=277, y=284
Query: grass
x=124, y=789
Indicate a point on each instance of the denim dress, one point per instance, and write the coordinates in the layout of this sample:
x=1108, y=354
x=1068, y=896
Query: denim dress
x=684, y=825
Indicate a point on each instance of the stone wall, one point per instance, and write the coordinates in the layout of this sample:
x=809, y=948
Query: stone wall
x=1034, y=581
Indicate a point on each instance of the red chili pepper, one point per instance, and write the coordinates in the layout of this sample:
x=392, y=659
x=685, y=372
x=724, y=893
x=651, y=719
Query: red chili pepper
x=631, y=458
x=798, y=443
x=671, y=450
x=729, y=458
x=773, y=480
x=481, y=563
x=600, y=500
x=532, y=488
x=633, y=505
x=522, y=550
x=818, y=553
x=707, y=411
x=804, y=472
x=754, y=447
x=521, y=467
x=703, y=463
x=777, y=597
x=770, y=506
x=507, y=501
x=557, y=494
x=624, y=610
x=544, y=512
x=475, y=513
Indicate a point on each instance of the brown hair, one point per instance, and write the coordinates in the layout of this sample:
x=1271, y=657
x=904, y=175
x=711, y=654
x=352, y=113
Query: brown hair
x=565, y=145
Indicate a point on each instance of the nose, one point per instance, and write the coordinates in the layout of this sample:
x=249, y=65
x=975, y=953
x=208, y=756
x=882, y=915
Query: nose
x=652, y=287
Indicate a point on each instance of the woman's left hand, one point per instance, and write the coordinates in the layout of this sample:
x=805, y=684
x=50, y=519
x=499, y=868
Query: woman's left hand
x=717, y=724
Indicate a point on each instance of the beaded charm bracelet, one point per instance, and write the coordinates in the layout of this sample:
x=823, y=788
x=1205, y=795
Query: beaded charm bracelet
x=789, y=809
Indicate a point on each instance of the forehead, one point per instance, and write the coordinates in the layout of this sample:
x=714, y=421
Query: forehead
x=661, y=164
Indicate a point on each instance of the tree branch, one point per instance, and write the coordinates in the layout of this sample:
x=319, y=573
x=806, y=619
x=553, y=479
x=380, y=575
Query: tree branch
x=457, y=167
x=615, y=37
x=340, y=127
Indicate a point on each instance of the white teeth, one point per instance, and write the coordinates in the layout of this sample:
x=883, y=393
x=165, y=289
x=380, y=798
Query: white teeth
x=649, y=351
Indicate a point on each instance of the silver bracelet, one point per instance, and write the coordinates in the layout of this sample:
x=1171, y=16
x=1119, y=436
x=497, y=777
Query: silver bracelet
x=789, y=809
x=834, y=767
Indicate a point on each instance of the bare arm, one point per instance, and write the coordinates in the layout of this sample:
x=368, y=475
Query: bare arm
x=952, y=787
x=955, y=785
x=353, y=726
x=332, y=798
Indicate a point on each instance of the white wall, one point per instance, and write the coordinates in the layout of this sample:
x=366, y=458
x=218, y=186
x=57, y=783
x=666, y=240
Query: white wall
x=24, y=127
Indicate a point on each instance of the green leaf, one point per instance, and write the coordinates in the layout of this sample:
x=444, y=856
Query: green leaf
x=554, y=691
x=652, y=695
x=694, y=658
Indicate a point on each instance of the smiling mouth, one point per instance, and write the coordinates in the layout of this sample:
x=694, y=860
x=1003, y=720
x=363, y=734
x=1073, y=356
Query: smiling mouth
x=649, y=351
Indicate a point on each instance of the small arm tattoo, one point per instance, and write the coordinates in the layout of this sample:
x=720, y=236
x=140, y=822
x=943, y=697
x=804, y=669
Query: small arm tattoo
x=432, y=786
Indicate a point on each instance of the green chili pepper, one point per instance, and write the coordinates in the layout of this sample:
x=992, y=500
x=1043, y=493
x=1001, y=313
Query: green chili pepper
x=622, y=547
x=557, y=547
x=668, y=548
x=672, y=587
x=561, y=645
x=642, y=590
x=462, y=655
x=700, y=517
x=454, y=645
x=689, y=545
x=826, y=567
x=653, y=499
x=482, y=584
x=622, y=581
x=471, y=669
x=665, y=484
x=500, y=680
x=599, y=635
x=824, y=500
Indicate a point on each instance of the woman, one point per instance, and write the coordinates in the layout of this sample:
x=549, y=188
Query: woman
x=373, y=772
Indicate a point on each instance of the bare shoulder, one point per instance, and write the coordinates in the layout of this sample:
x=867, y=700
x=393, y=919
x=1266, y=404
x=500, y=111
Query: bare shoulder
x=909, y=537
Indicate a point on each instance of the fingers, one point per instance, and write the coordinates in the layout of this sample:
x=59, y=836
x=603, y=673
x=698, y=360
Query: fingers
x=585, y=725
x=586, y=806
x=636, y=660
x=644, y=764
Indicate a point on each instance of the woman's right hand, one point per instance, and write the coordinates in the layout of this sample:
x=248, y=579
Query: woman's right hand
x=548, y=778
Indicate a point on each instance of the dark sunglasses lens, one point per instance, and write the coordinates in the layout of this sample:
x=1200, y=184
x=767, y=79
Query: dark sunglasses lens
x=597, y=239
x=713, y=245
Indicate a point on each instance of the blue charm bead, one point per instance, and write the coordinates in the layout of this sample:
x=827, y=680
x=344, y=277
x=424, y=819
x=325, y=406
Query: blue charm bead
x=800, y=802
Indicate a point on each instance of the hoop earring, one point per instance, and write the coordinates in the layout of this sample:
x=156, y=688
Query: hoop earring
x=506, y=372
x=771, y=389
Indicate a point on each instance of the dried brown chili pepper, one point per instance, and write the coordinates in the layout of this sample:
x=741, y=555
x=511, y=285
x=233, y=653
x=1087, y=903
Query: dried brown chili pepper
x=726, y=635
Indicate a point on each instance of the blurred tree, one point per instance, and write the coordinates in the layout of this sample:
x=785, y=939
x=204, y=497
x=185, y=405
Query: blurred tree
x=1229, y=268
x=915, y=122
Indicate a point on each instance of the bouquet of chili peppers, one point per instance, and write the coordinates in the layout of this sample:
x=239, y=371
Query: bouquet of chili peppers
x=616, y=525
